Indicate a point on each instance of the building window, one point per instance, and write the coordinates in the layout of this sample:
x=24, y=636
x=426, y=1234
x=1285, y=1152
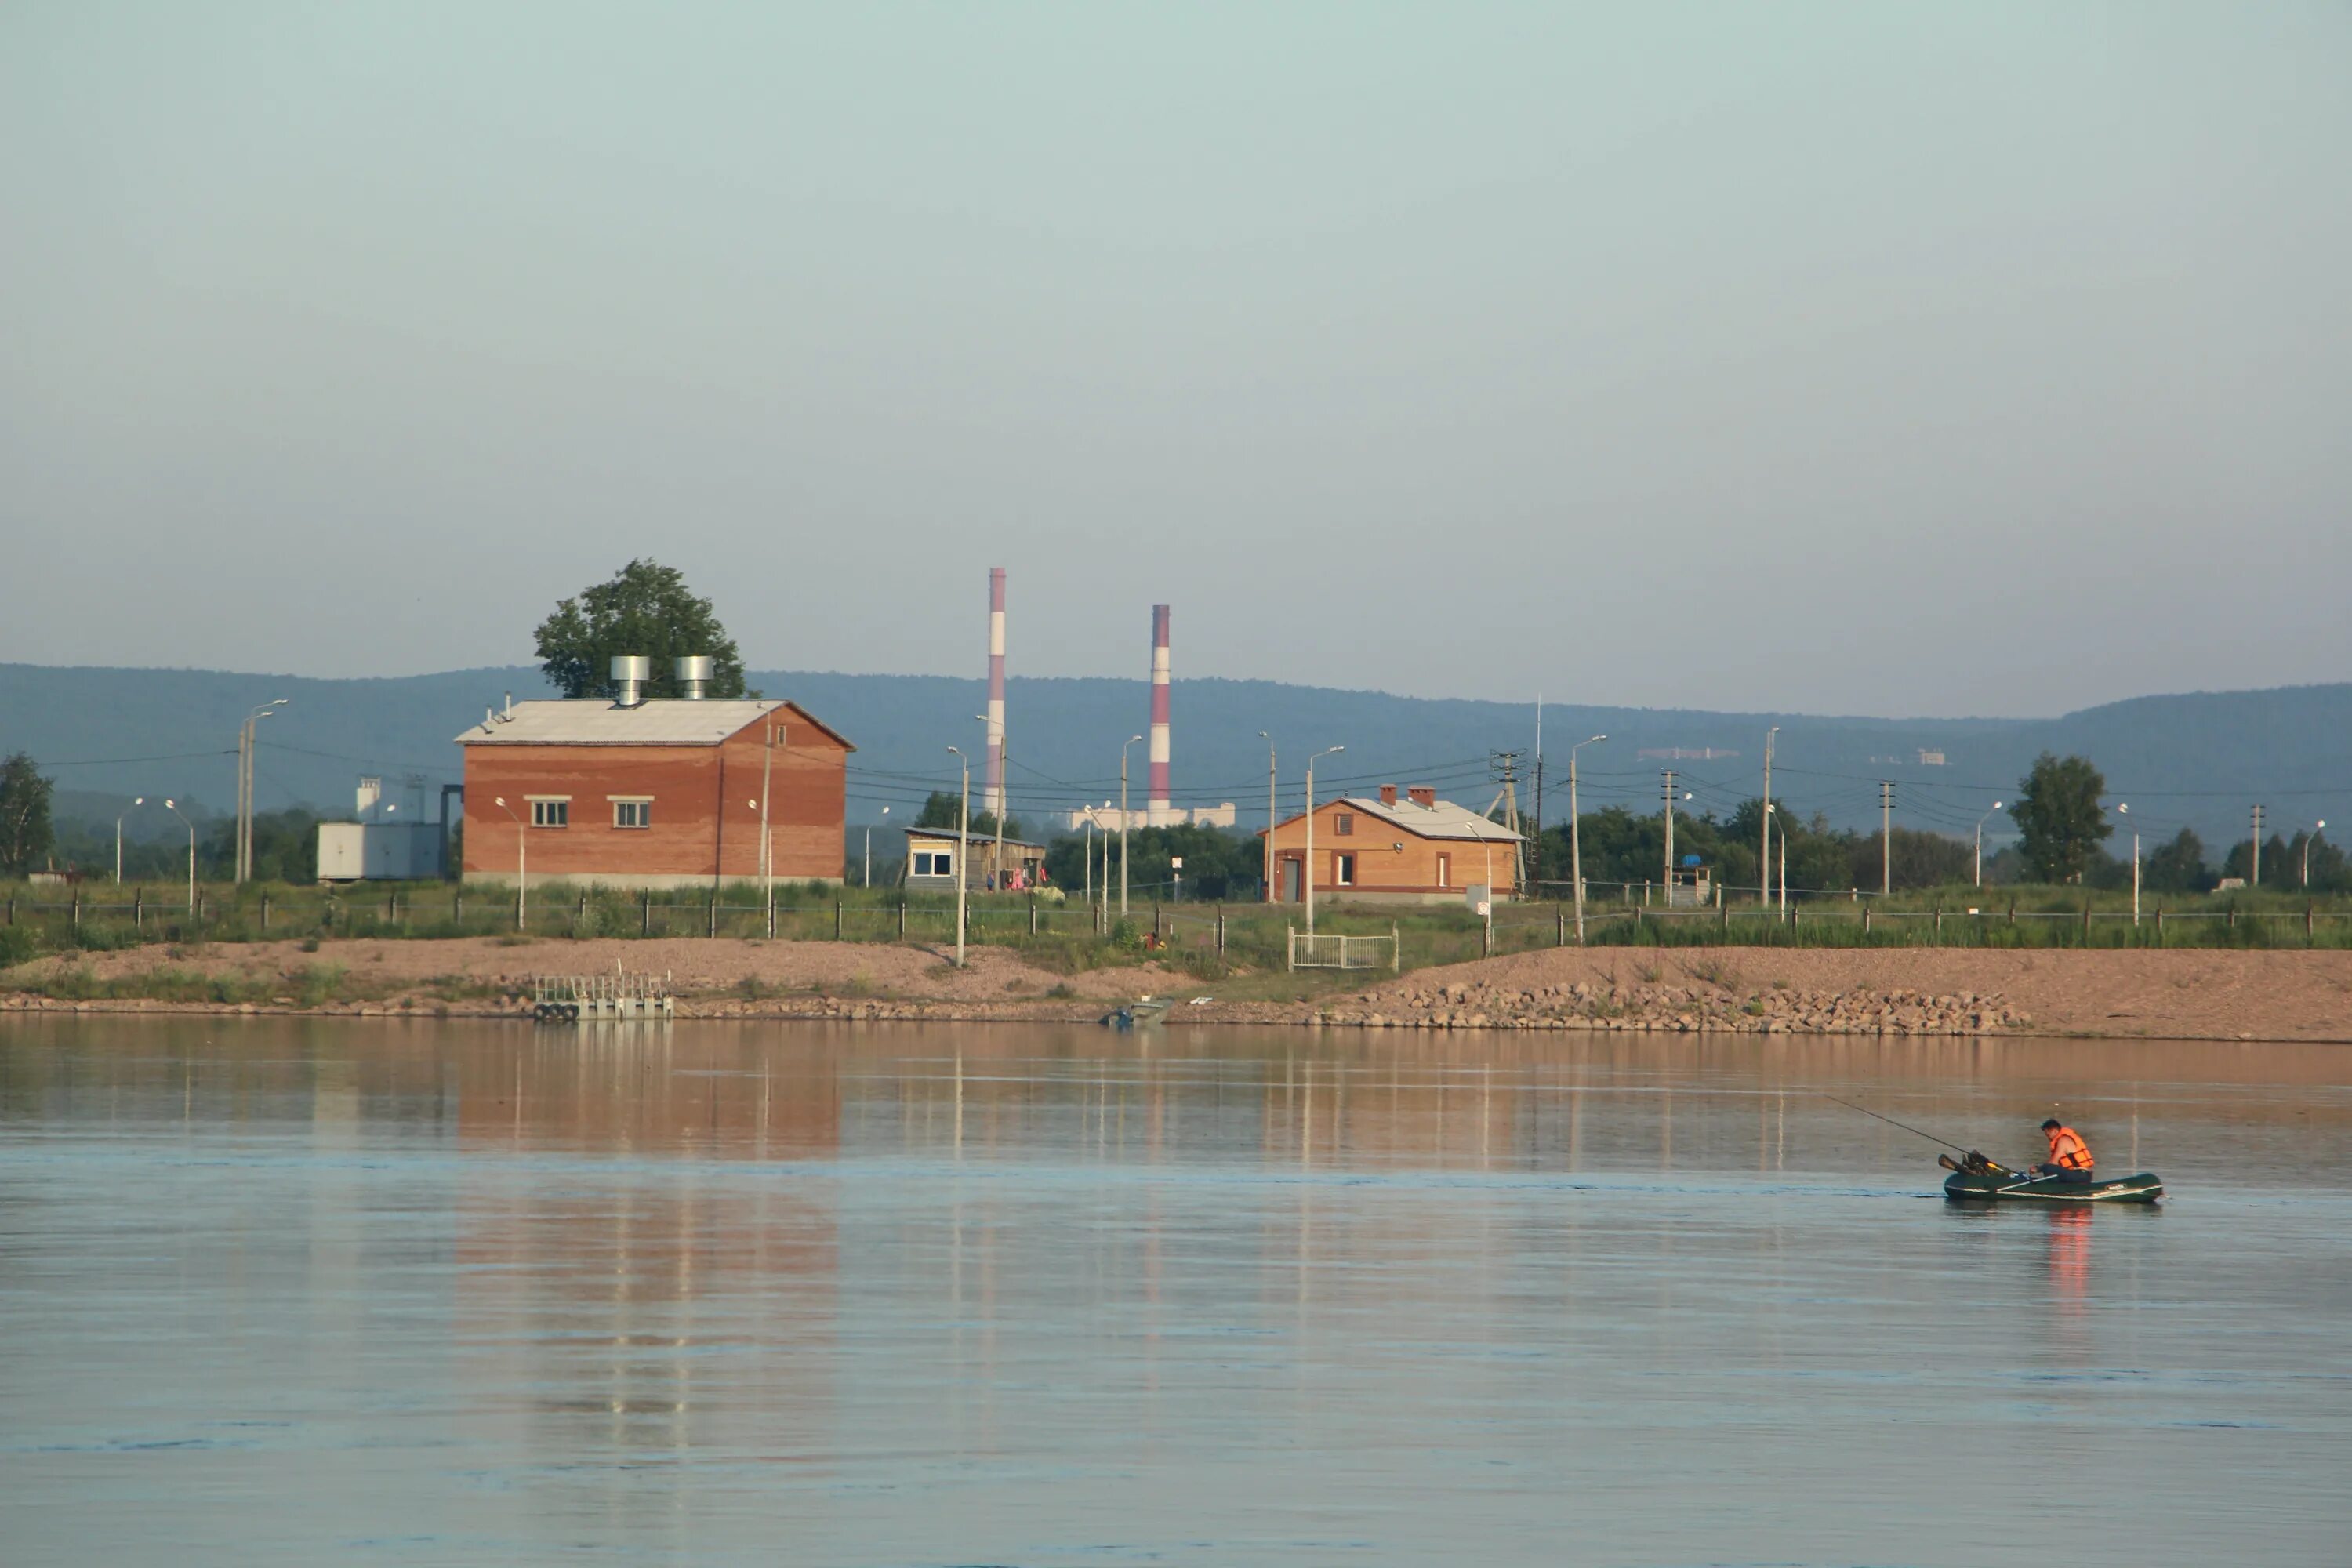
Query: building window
x=1343, y=824
x=1343, y=870
x=552, y=813
x=633, y=814
x=934, y=863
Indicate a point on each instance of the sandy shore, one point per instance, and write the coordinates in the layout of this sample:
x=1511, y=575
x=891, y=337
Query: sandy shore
x=2193, y=993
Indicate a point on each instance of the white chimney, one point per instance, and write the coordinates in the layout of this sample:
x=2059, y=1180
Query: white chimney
x=630, y=672
x=693, y=671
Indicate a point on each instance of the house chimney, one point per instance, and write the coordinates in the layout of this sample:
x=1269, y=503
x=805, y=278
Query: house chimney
x=1425, y=798
x=693, y=672
x=630, y=672
x=1388, y=795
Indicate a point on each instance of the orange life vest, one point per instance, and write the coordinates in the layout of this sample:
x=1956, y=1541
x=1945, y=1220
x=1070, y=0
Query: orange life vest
x=2067, y=1150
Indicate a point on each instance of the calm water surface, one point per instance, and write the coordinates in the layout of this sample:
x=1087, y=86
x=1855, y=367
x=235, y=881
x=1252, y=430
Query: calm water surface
x=348, y=1291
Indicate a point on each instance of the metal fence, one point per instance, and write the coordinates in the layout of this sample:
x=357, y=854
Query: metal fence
x=1334, y=950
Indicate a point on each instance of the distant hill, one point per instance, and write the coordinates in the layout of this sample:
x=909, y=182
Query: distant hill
x=2199, y=759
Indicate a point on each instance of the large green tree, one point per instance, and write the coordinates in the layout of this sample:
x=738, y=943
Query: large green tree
x=2177, y=866
x=2059, y=822
x=25, y=832
x=944, y=807
x=646, y=608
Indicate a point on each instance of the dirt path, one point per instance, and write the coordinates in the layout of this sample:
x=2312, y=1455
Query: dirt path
x=2194, y=994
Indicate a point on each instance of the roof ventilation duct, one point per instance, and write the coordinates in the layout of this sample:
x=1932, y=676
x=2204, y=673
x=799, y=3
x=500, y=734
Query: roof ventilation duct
x=693, y=672
x=630, y=673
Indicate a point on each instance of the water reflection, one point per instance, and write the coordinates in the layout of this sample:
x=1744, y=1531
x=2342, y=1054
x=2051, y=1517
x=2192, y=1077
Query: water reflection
x=901, y=1295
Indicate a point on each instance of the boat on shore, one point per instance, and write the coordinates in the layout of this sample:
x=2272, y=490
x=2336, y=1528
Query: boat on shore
x=1979, y=1180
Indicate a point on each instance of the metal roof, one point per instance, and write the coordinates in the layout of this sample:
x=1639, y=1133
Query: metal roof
x=985, y=840
x=595, y=721
x=1444, y=820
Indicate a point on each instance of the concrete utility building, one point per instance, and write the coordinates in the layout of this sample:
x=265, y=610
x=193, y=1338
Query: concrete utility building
x=660, y=793
x=1419, y=849
x=931, y=860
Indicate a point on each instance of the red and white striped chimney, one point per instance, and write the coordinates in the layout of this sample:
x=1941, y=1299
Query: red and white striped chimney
x=992, y=792
x=1159, y=811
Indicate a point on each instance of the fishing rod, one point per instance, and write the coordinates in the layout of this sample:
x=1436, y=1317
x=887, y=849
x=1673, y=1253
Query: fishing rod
x=1906, y=1127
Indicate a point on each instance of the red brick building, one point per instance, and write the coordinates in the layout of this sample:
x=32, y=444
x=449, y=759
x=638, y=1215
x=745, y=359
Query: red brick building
x=664, y=793
x=1418, y=849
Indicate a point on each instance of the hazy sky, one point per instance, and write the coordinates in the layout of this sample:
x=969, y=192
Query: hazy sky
x=1905, y=360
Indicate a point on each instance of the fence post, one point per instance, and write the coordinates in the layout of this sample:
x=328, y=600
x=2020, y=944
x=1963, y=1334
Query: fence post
x=1033, y=914
x=1221, y=930
x=1865, y=920
x=1289, y=946
x=2232, y=917
x=902, y=917
x=2159, y=925
x=646, y=913
x=1561, y=938
x=1396, y=962
x=1159, y=932
x=836, y=919
x=265, y=911
x=138, y=911
x=2086, y=922
x=76, y=909
x=2013, y=911
x=714, y=912
x=1940, y=926
x=2310, y=932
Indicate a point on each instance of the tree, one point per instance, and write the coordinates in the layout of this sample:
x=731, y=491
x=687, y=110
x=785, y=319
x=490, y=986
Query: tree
x=2177, y=866
x=945, y=806
x=2059, y=822
x=647, y=608
x=25, y=832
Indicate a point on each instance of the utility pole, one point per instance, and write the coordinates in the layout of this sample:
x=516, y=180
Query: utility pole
x=964, y=846
x=1504, y=767
x=1535, y=837
x=1576, y=838
x=1764, y=849
x=1670, y=838
x=1122, y=824
x=2258, y=846
x=1885, y=838
x=1269, y=889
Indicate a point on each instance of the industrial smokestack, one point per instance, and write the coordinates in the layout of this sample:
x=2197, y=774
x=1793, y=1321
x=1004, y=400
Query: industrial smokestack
x=1159, y=813
x=693, y=671
x=630, y=672
x=993, y=791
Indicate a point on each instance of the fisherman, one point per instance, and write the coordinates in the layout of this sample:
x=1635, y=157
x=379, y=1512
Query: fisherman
x=2070, y=1156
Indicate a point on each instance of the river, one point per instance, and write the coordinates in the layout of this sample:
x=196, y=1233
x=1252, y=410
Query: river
x=324, y=1291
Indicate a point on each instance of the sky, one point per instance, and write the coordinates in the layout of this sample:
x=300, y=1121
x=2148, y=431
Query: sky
x=1899, y=360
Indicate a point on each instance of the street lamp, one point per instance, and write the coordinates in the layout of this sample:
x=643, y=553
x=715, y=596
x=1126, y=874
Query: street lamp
x=522, y=865
x=1087, y=845
x=964, y=844
x=138, y=801
x=245, y=738
x=1980, y=821
x=869, y=848
x=2123, y=810
x=1576, y=835
x=191, y=826
x=1764, y=849
x=1269, y=889
x=2317, y=830
x=1308, y=876
x=1486, y=905
x=1131, y=740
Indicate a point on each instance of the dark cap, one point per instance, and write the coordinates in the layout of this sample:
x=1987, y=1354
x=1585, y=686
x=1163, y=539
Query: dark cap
x=2051, y=1125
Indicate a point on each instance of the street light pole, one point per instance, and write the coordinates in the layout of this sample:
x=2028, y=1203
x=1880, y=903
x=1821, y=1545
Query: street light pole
x=1576, y=836
x=1131, y=740
x=2320, y=827
x=1269, y=889
x=191, y=826
x=138, y=801
x=1764, y=849
x=1980, y=821
x=245, y=748
x=1486, y=905
x=869, y=848
x=2125, y=810
x=522, y=864
x=1307, y=877
x=964, y=845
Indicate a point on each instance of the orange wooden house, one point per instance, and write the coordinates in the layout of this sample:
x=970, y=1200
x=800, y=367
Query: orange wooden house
x=659, y=793
x=1417, y=850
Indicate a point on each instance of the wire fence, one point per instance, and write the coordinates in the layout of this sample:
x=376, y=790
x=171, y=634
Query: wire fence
x=1075, y=934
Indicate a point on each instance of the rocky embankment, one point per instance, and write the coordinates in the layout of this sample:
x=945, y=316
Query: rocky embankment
x=1615, y=1004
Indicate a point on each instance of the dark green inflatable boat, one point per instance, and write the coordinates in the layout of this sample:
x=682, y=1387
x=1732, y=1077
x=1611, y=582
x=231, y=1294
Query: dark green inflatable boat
x=1978, y=1180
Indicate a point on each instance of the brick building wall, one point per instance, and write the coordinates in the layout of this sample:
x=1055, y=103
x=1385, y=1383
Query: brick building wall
x=1390, y=861
x=700, y=803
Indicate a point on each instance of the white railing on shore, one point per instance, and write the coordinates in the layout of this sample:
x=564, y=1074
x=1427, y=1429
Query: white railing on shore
x=1331, y=950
